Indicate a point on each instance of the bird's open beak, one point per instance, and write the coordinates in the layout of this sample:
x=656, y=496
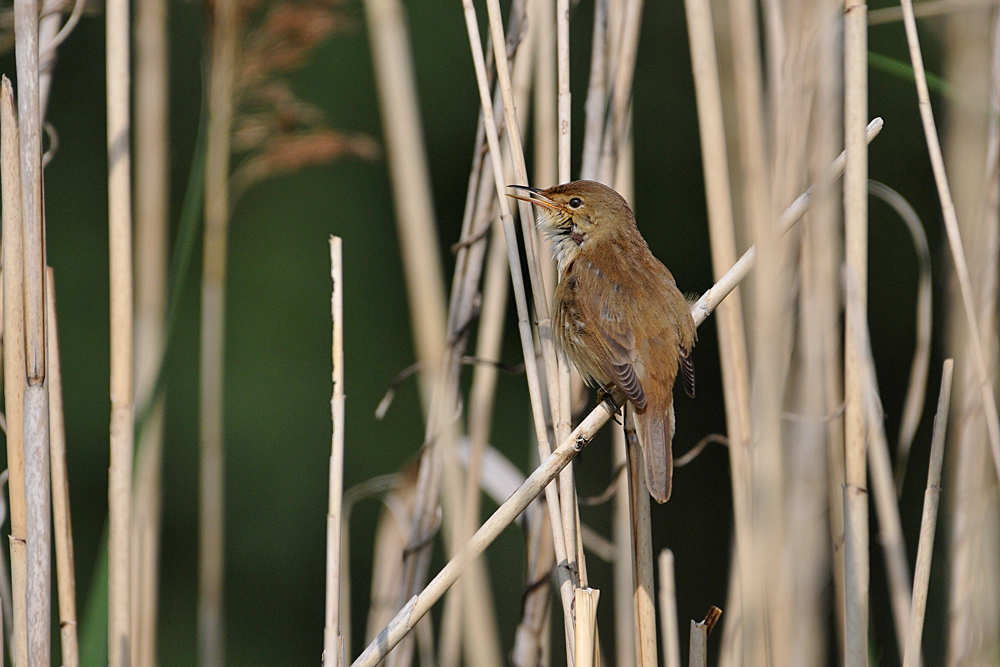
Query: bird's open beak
x=539, y=199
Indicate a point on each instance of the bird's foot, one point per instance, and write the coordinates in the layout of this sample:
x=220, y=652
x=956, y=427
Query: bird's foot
x=604, y=395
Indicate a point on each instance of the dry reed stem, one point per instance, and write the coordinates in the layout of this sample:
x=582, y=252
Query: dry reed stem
x=890, y=527
x=62, y=524
x=856, y=546
x=928, y=521
x=542, y=22
x=392, y=55
x=643, y=606
x=596, y=94
x=211, y=434
x=524, y=326
x=557, y=382
x=811, y=476
x=698, y=651
x=954, y=233
x=151, y=248
x=974, y=505
x=732, y=332
x=481, y=395
x=622, y=524
x=480, y=643
x=587, y=647
x=39, y=543
x=626, y=47
x=14, y=371
x=564, y=98
x=744, y=36
x=30, y=130
x=668, y=611
x=622, y=527
x=120, y=235
x=419, y=605
x=36, y=445
x=562, y=417
x=925, y=9
x=332, y=643
x=711, y=299
x=407, y=157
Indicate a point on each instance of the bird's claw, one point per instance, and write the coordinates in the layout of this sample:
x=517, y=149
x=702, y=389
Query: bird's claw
x=604, y=396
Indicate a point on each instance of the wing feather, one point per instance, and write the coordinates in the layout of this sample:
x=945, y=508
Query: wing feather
x=687, y=370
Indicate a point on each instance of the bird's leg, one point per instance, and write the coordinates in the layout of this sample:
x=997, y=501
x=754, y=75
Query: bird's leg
x=605, y=395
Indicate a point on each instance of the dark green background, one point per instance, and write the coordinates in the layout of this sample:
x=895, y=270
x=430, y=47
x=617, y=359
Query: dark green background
x=278, y=326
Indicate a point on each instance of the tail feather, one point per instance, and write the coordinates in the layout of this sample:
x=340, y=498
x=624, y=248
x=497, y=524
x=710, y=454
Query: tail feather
x=654, y=430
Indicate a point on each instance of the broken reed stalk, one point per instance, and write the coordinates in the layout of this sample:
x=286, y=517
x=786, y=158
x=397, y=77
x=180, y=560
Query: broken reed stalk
x=523, y=321
x=222, y=75
x=928, y=522
x=13, y=357
x=856, y=539
x=953, y=232
x=120, y=237
x=668, y=611
x=332, y=643
x=587, y=648
x=731, y=327
x=62, y=524
x=407, y=618
x=151, y=49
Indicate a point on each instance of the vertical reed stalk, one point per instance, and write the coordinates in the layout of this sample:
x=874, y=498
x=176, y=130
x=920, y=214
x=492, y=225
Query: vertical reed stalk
x=890, y=526
x=13, y=357
x=811, y=441
x=151, y=247
x=644, y=607
x=732, y=332
x=622, y=525
x=973, y=146
x=211, y=433
x=954, y=235
x=120, y=235
x=668, y=611
x=524, y=326
x=928, y=522
x=331, y=633
x=411, y=184
x=36, y=445
x=62, y=524
x=856, y=248
x=586, y=627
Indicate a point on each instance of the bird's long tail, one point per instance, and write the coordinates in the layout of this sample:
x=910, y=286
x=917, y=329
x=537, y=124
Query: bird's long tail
x=654, y=430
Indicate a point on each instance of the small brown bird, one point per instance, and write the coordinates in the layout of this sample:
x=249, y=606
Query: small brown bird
x=617, y=314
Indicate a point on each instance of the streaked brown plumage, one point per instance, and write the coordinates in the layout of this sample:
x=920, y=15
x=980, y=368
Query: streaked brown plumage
x=617, y=313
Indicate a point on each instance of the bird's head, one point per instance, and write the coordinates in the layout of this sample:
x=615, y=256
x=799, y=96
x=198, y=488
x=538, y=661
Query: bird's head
x=577, y=214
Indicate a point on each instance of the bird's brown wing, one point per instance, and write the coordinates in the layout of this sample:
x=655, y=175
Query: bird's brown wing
x=619, y=347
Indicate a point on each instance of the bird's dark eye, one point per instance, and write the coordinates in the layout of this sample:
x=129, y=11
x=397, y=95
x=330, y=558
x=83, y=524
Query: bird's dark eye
x=575, y=202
